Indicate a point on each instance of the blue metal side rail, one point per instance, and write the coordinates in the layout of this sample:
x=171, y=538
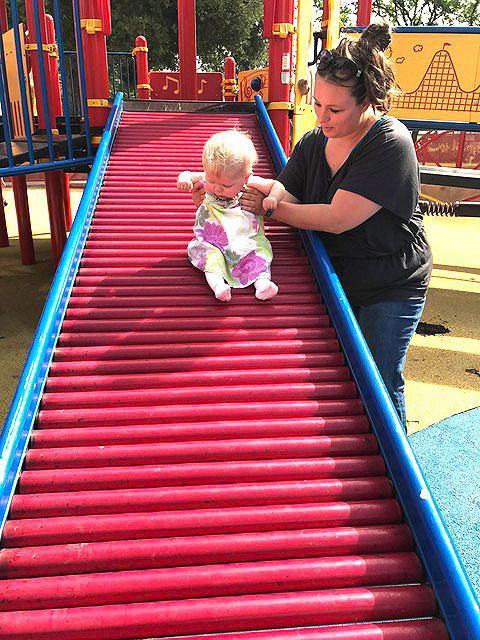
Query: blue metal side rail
x=70, y=161
x=457, y=600
x=23, y=411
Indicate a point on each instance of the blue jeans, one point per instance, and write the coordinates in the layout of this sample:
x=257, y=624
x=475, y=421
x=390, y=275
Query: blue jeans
x=388, y=328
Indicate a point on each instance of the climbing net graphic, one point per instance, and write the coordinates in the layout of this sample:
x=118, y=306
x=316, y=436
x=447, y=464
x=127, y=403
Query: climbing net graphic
x=440, y=89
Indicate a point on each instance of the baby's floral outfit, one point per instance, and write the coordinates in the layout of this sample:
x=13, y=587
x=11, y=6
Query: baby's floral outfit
x=230, y=242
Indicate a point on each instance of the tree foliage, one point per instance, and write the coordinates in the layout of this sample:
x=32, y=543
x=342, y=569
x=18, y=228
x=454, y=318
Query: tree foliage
x=429, y=12
x=223, y=28
x=414, y=13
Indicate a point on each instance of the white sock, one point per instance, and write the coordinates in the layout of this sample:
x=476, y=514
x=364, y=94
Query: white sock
x=265, y=289
x=219, y=287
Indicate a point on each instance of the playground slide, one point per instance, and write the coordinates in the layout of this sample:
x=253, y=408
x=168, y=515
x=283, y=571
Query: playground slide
x=176, y=466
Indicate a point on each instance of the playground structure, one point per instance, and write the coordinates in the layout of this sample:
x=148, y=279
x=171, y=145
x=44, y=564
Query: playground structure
x=436, y=79
x=117, y=324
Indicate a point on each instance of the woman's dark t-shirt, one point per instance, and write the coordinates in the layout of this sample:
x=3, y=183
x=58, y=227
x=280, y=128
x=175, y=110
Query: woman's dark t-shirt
x=388, y=256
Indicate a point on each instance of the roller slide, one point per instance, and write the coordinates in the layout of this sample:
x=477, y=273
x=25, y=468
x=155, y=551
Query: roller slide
x=175, y=466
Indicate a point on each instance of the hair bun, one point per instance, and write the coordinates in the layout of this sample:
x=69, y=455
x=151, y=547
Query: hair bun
x=378, y=35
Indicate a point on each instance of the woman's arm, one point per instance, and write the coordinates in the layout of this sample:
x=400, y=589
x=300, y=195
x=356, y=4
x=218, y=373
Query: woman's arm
x=346, y=211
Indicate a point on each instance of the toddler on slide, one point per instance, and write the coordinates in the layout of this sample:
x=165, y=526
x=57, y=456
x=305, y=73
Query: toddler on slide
x=230, y=244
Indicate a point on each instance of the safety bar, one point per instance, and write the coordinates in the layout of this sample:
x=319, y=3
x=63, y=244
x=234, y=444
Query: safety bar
x=457, y=600
x=20, y=420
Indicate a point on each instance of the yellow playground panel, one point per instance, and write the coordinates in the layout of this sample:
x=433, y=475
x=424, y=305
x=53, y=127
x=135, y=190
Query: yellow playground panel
x=14, y=82
x=438, y=75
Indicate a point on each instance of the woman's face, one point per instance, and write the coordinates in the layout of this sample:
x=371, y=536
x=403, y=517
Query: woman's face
x=336, y=109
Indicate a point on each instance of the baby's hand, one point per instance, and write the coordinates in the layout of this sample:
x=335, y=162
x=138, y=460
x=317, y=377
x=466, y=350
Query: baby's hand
x=270, y=202
x=184, y=181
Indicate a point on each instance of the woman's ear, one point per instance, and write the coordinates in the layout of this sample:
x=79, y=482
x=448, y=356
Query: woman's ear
x=365, y=105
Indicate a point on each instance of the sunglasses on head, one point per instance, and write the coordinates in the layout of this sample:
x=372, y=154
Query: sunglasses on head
x=341, y=68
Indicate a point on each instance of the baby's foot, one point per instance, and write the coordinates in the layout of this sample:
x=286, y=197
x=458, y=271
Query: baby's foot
x=265, y=289
x=223, y=292
x=219, y=287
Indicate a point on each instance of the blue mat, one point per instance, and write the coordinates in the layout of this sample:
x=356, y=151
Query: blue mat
x=449, y=455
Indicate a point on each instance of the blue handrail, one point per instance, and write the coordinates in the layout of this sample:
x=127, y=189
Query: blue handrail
x=456, y=597
x=20, y=420
x=440, y=125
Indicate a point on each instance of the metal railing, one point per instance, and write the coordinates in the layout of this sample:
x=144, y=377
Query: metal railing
x=27, y=154
x=122, y=77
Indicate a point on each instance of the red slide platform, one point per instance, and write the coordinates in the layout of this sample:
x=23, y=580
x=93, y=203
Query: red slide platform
x=200, y=467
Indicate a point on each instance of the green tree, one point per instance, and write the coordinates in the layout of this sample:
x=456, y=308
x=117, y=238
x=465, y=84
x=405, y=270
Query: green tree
x=428, y=12
x=414, y=13
x=347, y=13
x=223, y=28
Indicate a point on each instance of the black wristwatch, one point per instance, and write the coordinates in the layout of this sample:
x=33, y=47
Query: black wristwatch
x=268, y=213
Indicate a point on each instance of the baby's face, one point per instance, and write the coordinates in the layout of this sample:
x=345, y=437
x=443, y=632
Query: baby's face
x=224, y=185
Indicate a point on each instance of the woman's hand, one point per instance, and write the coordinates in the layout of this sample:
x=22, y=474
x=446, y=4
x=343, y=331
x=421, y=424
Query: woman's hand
x=198, y=193
x=252, y=200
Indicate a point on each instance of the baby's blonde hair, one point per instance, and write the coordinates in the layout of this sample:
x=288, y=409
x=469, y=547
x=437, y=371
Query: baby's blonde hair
x=229, y=152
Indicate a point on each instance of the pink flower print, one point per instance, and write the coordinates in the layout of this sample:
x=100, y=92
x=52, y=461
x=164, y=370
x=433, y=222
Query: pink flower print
x=249, y=267
x=255, y=224
x=214, y=234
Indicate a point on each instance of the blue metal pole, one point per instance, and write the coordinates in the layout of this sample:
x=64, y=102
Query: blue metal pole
x=20, y=420
x=22, y=80
x=43, y=79
x=5, y=101
x=63, y=77
x=456, y=597
x=440, y=125
x=81, y=72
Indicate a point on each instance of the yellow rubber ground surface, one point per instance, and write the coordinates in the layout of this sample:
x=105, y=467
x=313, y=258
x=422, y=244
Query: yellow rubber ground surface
x=442, y=371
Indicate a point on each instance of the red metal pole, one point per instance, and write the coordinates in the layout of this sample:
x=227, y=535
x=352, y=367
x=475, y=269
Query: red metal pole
x=58, y=109
x=55, y=204
x=461, y=147
x=25, y=237
x=95, y=26
x=187, y=49
x=65, y=187
x=56, y=213
x=279, y=14
x=3, y=16
x=230, y=80
x=364, y=12
x=56, y=100
x=37, y=83
x=141, y=62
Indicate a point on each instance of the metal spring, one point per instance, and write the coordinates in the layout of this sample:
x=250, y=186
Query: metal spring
x=431, y=208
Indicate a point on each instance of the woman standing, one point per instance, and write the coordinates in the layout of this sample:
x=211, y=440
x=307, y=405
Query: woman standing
x=355, y=180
